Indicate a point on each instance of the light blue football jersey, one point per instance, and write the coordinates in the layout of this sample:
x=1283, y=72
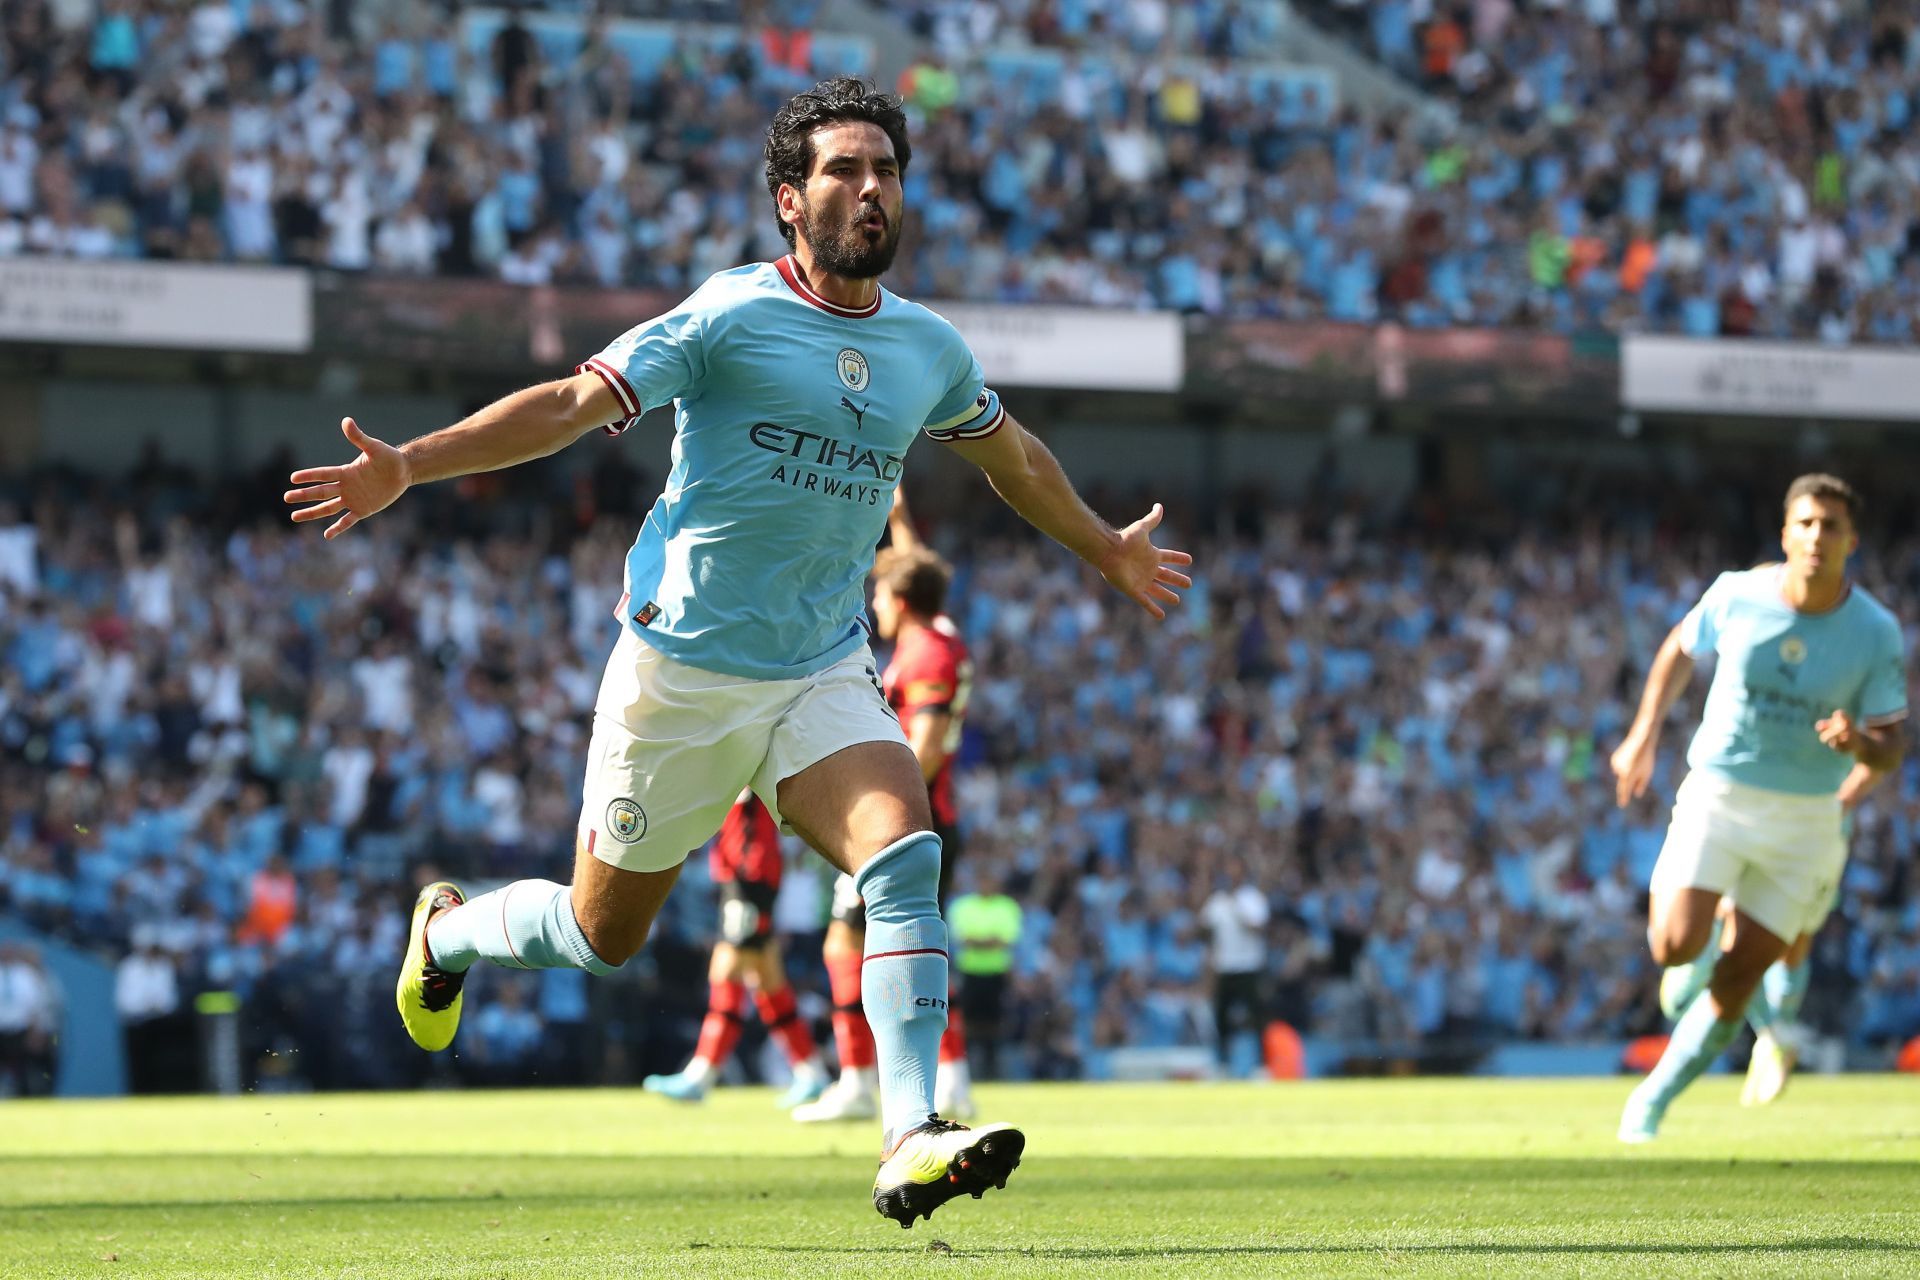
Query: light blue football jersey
x=792, y=419
x=1780, y=671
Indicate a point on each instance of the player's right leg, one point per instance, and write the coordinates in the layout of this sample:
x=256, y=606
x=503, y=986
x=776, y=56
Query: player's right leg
x=597, y=924
x=1680, y=983
x=671, y=748
x=1705, y=1029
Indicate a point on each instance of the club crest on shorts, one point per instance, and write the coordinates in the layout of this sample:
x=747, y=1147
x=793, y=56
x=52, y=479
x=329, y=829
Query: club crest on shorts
x=626, y=821
x=853, y=370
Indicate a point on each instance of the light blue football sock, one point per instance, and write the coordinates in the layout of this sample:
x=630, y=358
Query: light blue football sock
x=1698, y=1038
x=528, y=924
x=1681, y=983
x=903, y=982
x=1782, y=988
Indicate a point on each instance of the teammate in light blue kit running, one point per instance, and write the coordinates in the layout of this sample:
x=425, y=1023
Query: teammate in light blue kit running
x=742, y=660
x=1810, y=683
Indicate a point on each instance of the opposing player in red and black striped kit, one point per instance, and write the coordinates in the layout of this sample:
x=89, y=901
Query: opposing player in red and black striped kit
x=744, y=860
x=927, y=683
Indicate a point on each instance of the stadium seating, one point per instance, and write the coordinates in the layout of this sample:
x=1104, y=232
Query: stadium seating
x=1602, y=174
x=1402, y=726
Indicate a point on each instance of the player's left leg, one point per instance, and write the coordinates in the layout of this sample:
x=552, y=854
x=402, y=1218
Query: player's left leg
x=1774, y=1014
x=1706, y=1028
x=719, y=1030
x=865, y=808
x=1797, y=888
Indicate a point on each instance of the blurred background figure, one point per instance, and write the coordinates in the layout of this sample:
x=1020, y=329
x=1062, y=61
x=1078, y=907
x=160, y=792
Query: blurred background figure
x=30, y=1010
x=158, y=1035
x=1235, y=916
x=984, y=926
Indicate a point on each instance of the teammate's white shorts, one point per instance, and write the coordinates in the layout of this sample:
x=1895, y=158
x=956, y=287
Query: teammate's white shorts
x=1775, y=855
x=673, y=745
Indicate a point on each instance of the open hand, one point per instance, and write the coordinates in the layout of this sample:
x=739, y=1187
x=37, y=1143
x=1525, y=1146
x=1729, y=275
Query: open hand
x=1143, y=572
x=366, y=486
x=1632, y=763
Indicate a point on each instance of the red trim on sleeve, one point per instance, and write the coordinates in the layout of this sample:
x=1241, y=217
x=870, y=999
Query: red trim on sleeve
x=616, y=383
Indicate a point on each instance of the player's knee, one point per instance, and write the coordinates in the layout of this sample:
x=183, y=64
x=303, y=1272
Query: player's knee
x=1667, y=949
x=1672, y=942
x=902, y=881
x=614, y=942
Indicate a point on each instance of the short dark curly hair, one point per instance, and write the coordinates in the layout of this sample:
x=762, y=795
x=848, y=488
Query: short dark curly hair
x=840, y=100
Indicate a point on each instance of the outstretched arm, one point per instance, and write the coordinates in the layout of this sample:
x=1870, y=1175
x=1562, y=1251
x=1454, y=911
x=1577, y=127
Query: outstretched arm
x=1633, y=760
x=514, y=429
x=1028, y=478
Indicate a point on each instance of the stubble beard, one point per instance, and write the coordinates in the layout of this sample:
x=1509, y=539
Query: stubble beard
x=845, y=250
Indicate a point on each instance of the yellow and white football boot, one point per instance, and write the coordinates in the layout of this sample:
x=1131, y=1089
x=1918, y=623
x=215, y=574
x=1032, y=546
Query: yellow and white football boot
x=1773, y=1061
x=934, y=1162
x=429, y=998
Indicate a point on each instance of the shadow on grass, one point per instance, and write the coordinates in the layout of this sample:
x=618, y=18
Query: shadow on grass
x=749, y=1185
x=1122, y=1253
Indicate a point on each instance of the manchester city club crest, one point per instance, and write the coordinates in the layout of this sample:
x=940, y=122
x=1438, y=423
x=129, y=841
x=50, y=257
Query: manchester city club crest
x=1793, y=652
x=626, y=821
x=853, y=370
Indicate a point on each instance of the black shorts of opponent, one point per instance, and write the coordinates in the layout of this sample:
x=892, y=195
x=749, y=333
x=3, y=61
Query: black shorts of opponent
x=746, y=913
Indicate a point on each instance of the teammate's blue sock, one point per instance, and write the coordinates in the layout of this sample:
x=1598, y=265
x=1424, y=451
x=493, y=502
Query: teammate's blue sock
x=903, y=984
x=1782, y=988
x=529, y=924
x=1698, y=1038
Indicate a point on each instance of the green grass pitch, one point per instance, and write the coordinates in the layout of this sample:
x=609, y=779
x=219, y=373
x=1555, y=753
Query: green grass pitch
x=1443, y=1178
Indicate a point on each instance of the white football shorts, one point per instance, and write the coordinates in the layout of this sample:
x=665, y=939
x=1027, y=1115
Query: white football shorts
x=673, y=745
x=1777, y=856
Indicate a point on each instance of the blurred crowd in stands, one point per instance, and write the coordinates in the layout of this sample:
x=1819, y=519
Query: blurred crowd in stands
x=1705, y=167
x=1360, y=775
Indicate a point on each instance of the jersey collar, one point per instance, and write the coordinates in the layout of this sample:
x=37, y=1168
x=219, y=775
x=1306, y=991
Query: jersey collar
x=790, y=272
x=1780, y=594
